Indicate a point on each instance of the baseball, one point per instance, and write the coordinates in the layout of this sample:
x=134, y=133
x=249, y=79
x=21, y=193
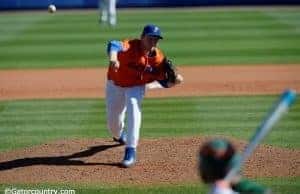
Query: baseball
x=179, y=79
x=51, y=8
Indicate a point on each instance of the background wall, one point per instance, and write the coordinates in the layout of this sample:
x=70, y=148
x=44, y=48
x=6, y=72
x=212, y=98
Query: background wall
x=38, y=4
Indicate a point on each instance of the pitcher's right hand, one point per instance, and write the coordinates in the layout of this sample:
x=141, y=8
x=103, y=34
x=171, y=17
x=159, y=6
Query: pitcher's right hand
x=114, y=64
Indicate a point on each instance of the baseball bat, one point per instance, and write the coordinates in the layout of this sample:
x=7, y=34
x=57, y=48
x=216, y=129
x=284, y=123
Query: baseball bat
x=277, y=111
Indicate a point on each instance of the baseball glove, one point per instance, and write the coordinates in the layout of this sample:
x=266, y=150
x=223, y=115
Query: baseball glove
x=170, y=69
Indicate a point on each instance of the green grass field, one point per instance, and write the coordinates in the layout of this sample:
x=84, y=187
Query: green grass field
x=280, y=185
x=192, y=37
x=46, y=120
x=230, y=116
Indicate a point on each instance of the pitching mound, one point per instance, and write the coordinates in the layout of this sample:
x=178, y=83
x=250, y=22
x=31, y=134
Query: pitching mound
x=163, y=160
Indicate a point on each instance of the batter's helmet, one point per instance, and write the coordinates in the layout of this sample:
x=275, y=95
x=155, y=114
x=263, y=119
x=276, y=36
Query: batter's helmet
x=216, y=158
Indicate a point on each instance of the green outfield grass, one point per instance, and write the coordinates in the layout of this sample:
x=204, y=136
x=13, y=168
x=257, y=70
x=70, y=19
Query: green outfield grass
x=278, y=185
x=25, y=123
x=193, y=37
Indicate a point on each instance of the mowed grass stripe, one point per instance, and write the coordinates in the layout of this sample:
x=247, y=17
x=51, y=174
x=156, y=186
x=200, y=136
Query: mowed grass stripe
x=155, y=14
x=21, y=111
x=166, y=25
x=234, y=116
x=60, y=109
x=168, y=28
x=234, y=51
x=130, y=19
x=198, y=103
x=214, y=37
x=205, y=37
x=158, y=119
x=207, y=44
x=12, y=27
x=185, y=114
x=282, y=185
x=159, y=116
x=92, y=57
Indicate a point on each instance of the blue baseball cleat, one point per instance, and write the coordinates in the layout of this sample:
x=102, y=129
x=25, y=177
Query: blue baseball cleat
x=129, y=158
x=122, y=139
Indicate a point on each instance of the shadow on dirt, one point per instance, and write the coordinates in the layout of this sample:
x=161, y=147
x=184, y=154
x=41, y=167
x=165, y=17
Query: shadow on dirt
x=60, y=160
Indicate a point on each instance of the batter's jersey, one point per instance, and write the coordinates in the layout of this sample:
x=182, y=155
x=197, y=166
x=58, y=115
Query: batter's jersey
x=133, y=62
x=216, y=189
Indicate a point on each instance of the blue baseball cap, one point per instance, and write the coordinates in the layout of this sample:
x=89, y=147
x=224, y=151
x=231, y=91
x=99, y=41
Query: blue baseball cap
x=152, y=30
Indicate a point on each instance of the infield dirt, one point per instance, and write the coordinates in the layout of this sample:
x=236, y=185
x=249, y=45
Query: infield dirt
x=198, y=81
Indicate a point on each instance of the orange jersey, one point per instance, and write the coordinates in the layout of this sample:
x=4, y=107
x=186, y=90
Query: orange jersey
x=133, y=63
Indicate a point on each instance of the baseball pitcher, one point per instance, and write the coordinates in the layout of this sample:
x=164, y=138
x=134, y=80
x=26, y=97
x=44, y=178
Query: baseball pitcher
x=133, y=64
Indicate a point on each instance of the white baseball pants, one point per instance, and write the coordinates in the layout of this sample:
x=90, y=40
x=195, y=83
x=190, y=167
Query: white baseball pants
x=124, y=102
x=108, y=11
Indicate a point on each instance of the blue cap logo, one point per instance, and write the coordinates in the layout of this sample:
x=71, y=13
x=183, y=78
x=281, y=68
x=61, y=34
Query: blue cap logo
x=152, y=30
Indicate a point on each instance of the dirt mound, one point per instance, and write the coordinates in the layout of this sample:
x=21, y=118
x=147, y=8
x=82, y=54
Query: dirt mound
x=162, y=160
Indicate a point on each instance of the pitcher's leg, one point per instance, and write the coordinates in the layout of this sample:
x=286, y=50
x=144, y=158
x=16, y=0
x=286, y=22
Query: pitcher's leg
x=115, y=108
x=134, y=97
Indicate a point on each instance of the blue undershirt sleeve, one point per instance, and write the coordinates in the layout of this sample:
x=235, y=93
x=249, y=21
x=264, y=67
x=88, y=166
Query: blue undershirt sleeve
x=114, y=45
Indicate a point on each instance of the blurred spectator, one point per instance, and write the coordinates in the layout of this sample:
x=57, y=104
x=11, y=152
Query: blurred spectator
x=108, y=12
